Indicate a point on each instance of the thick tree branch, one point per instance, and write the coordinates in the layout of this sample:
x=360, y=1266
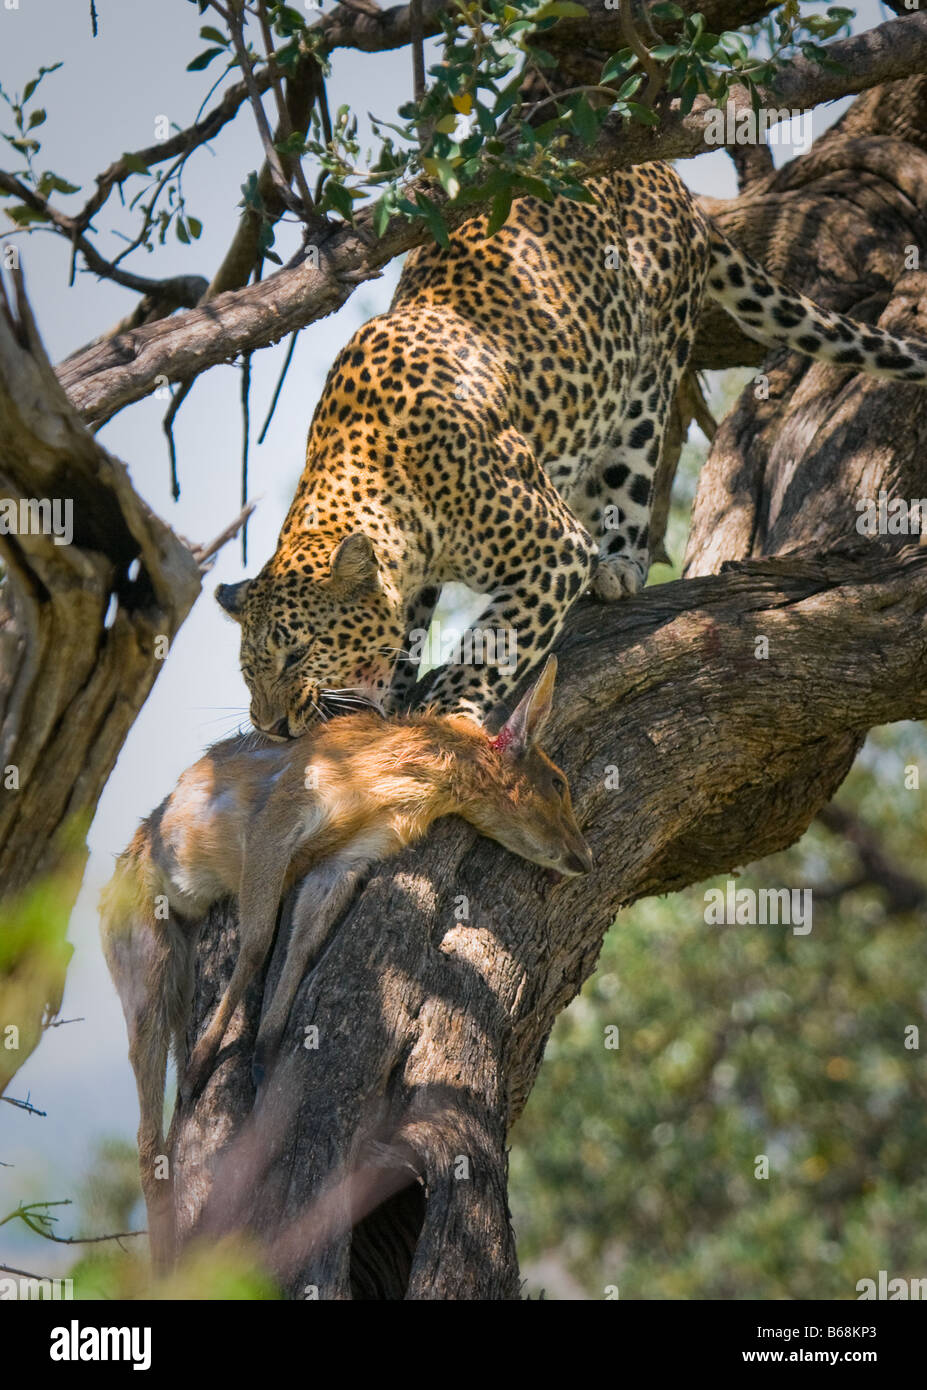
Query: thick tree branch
x=703, y=725
x=456, y=1013
x=111, y=375
x=93, y=588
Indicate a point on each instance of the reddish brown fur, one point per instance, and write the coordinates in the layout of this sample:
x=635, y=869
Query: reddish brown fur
x=243, y=820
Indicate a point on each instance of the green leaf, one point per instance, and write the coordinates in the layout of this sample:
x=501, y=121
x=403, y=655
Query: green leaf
x=338, y=197
x=434, y=219
x=735, y=45
x=195, y=226
x=618, y=64
x=251, y=197
x=266, y=239
x=677, y=74
x=293, y=144
x=36, y=117
x=182, y=234
x=535, y=188
x=705, y=42
x=381, y=216
x=664, y=52
x=287, y=20
x=202, y=60
x=628, y=88
x=23, y=215
x=53, y=183
x=578, y=194
x=689, y=93
x=25, y=147
x=134, y=164
x=643, y=113
x=560, y=9
x=501, y=207
x=584, y=121
x=34, y=81
x=214, y=35
x=447, y=176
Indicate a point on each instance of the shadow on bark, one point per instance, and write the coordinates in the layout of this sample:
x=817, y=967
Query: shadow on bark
x=703, y=725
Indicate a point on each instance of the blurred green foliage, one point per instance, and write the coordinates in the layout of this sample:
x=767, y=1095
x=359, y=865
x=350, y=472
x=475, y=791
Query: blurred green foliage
x=110, y=1200
x=635, y=1166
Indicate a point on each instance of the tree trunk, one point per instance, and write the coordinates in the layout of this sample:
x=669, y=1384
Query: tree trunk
x=703, y=725
x=79, y=653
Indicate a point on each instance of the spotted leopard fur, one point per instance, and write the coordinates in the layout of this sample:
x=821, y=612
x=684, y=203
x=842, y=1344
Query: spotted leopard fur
x=500, y=426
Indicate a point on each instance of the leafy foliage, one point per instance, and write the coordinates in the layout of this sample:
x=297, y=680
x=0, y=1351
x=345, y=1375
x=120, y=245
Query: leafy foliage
x=473, y=133
x=26, y=120
x=634, y=1167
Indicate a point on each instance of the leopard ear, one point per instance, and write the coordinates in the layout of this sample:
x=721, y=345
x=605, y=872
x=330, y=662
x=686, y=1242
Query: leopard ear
x=231, y=597
x=354, y=564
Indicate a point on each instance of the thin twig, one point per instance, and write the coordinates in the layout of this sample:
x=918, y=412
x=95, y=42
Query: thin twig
x=418, y=51
x=283, y=116
x=326, y=119
x=107, y=270
x=24, y=1105
x=279, y=387
x=94, y=28
x=232, y=17
x=202, y=553
x=25, y=1274
x=37, y=1223
x=245, y=441
x=167, y=426
x=324, y=112
x=641, y=52
x=590, y=89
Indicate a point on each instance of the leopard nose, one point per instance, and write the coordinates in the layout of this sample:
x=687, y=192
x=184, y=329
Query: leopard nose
x=279, y=730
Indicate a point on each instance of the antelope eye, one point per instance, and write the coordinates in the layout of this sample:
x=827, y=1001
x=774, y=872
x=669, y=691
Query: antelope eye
x=559, y=785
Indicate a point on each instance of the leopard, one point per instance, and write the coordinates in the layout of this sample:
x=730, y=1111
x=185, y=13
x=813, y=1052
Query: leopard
x=500, y=426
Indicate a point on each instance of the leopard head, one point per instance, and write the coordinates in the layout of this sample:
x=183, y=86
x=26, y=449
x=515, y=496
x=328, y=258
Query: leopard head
x=320, y=633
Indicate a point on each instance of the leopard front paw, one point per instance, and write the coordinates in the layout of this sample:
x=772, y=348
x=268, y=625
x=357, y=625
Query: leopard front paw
x=618, y=576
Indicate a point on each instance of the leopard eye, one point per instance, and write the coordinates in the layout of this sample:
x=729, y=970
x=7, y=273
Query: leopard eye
x=291, y=660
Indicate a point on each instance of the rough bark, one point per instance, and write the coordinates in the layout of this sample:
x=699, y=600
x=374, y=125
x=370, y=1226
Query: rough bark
x=77, y=656
x=432, y=1024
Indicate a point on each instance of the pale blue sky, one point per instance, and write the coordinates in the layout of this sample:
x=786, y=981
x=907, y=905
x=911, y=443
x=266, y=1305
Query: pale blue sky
x=105, y=101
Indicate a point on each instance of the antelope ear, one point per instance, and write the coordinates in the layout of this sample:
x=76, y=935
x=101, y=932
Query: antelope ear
x=523, y=728
x=354, y=564
x=231, y=597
